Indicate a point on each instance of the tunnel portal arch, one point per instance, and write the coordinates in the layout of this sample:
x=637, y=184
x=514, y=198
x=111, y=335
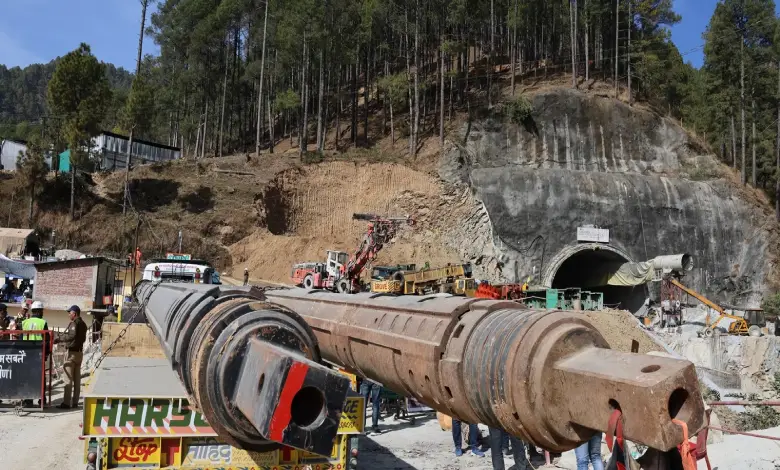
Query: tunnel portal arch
x=584, y=264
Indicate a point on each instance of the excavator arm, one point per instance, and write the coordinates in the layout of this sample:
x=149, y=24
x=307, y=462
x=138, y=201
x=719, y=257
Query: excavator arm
x=380, y=231
x=698, y=296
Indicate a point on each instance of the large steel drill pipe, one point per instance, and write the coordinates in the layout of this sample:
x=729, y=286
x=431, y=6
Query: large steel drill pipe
x=252, y=368
x=547, y=377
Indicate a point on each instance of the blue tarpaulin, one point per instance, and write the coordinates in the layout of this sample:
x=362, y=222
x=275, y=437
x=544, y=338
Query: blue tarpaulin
x=22, y=269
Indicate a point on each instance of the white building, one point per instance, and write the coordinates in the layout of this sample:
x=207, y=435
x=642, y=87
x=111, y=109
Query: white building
x=111, y=150
x=9, y=151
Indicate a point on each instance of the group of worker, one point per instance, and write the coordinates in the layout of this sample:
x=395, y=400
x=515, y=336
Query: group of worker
x=501, y=442
x=30, y=319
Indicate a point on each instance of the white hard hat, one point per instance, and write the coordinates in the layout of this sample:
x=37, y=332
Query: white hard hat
x=37, y=305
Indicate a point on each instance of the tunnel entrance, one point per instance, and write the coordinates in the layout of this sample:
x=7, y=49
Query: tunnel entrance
x=589, y=270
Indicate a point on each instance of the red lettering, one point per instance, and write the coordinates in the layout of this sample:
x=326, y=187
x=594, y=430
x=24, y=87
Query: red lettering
x=135, y=449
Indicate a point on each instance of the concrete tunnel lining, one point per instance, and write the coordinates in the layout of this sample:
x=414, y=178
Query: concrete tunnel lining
x=585, y=265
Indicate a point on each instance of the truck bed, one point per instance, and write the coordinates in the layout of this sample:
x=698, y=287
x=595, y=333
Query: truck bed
x=135, y=377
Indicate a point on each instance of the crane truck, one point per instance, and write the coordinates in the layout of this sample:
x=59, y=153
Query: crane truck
x=751, y=324
x=340, y=272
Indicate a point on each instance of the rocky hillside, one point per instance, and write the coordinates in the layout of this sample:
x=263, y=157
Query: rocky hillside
x=506, y=197
x=584, y=160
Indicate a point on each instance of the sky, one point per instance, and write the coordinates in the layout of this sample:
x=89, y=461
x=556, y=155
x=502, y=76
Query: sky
x=37, y=31
x=687, y=34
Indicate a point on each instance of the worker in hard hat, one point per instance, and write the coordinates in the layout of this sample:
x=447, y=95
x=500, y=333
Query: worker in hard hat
x=35, y=322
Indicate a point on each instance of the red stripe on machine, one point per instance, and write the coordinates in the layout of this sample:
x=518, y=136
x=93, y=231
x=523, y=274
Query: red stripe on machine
x=281, y=418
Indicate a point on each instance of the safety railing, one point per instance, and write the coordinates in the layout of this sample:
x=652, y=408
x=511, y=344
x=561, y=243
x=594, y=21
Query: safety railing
x=23, y=365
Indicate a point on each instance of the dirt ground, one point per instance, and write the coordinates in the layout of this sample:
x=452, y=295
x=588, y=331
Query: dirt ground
x=35, y=440
x=49, y=440
x=424, y=446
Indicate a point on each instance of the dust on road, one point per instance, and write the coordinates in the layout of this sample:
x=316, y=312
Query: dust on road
x=41, y=440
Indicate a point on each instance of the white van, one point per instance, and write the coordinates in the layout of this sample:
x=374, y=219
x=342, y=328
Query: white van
x=189, y=271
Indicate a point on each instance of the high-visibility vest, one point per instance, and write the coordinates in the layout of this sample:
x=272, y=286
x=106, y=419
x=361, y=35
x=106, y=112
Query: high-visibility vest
x=33, y=324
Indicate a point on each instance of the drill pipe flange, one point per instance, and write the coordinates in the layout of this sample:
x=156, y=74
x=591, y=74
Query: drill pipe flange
x=547, y=377
x=252, y=368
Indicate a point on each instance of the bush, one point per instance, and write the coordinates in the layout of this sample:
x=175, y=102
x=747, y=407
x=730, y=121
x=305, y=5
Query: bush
x=771, y=305
x=519, y=110
x=761, y=417
x=709, y=394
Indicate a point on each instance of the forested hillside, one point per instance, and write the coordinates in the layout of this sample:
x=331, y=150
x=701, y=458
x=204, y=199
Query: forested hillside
x=243, y=75
x=236, y=65
x=23, y=97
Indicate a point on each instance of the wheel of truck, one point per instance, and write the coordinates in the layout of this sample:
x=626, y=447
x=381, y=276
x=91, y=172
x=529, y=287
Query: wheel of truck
x=708, y=332
x=754, y=330
x=308, y=282
x=343, y=287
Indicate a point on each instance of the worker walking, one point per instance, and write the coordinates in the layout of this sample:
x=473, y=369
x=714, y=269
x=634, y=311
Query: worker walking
x=246, y=276
x=497, y=438
x=73, y=338
x=372, y=390
x=590, y=452
x=457, y=436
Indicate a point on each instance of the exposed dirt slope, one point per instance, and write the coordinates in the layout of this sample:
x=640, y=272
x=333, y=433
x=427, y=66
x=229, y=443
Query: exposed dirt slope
x=307, y=210
x=213, y=209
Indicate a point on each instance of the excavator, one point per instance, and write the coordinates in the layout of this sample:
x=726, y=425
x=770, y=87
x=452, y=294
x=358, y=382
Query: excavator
x=341, y=273
x=751, y=324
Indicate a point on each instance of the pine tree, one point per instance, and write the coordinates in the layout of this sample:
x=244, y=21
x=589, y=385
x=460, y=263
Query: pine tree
x=78, y=92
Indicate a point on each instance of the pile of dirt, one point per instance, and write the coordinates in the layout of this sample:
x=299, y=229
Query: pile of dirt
x=620, y=329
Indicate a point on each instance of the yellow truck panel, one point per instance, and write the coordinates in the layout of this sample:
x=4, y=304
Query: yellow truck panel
x=145, y=430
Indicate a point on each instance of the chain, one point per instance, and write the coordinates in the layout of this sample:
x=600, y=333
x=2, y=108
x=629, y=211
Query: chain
x=121, y=334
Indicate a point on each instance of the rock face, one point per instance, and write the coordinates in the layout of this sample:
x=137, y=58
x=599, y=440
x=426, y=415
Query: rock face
x=584, y=160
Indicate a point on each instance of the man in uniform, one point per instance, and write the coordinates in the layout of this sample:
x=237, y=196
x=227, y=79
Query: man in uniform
x=23, y=315
x=73, y=338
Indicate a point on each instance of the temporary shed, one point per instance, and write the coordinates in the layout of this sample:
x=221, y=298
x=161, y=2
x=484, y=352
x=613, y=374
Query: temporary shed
x=17, y=242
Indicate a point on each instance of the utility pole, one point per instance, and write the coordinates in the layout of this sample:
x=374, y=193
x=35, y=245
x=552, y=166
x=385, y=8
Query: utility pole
x=144, y=4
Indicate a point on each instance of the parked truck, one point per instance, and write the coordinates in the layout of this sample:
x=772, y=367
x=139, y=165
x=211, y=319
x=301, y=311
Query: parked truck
x=424, y=281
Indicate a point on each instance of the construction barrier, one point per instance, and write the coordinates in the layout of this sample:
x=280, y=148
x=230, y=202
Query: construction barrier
x=23, y=365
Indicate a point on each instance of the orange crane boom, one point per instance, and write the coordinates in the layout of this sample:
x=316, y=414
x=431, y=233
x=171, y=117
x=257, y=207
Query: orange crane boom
x=738, y=327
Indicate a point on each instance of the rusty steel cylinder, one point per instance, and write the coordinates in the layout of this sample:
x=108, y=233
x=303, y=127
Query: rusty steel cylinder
x=547, y=377
x=252, y=367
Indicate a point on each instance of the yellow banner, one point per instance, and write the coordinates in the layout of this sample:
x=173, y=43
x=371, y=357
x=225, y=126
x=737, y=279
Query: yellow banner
x=353, y=416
